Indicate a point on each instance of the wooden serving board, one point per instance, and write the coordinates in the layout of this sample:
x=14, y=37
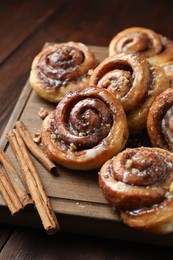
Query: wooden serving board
x=75, y=195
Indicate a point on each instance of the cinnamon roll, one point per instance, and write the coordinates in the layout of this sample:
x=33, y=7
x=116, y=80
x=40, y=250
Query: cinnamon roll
x=139, y=183
x=159, y=121
x=155, y=47
x=88, y=127
x=134, y=82
x=60, y=68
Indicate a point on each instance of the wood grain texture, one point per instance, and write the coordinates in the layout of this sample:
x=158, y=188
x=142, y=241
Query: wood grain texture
x=28, y=244
x=28, y=24
x=5, y=233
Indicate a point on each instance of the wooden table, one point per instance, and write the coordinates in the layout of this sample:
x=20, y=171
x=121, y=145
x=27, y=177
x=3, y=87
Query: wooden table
x=25, y=27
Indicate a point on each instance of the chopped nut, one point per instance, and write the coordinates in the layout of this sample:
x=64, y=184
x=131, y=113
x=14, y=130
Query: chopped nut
x=65, y=48
x=128, y=164
x=125, y=81
x=135, y=171
x=113, y=85
x=106, y=83
x=56, y=131
x=37, y=138
x=169, y=164
x=168, y=195
x=118, y=96
x=90, y=72
x=82, y=134
x=53, y=136
x=72, y=147
x=72, y=52
x=43, y=113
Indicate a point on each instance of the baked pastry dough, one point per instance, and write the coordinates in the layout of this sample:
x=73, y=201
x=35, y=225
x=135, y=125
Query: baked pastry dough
x=134, y=81
x=155, y=47
x=139, y=183
x=60, y=68
x=160, y=121
x=87, y=128
x=168, y=69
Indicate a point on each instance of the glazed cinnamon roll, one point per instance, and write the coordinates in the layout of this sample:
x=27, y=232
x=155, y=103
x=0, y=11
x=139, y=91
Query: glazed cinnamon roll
x=159, y=121
x=60, y=68
x=139, y=183
x=134, y=82
x=88, y=127
x=146, y=42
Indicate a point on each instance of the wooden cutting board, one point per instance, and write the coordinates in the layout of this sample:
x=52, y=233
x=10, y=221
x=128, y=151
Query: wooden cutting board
x=75, y=195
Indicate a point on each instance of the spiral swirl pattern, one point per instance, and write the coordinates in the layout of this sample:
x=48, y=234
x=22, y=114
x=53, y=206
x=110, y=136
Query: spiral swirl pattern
x=88, y=127
x=146, y=42
x=160, y=123
x=168, y=69
x=134, y=82
x=138, y=183
x=60, y=68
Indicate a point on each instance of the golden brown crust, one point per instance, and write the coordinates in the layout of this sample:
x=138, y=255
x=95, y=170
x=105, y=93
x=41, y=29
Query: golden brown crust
x=88, y=127
x=157, y=220
x=159, y=121
x=134, y=81
x=60, y=68
x=166, y=54
x=136, y=40
x=146, y=42
x=138, y=183
x=168, y=69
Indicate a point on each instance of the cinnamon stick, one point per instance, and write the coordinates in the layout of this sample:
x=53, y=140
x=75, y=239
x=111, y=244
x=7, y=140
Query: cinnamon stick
x=33, y=182
x=15, y=179
x=33, y=148
x=9, y=195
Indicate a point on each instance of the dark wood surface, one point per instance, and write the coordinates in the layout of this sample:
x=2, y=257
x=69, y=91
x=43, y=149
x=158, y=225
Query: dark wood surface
x=24, y=27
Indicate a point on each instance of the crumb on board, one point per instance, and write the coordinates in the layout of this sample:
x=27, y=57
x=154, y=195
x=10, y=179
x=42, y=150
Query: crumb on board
x=37, y=138
x=43, y=113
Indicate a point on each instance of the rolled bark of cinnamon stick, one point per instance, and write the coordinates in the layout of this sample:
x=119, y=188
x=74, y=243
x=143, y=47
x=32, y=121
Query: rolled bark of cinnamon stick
x=33, y=148
x=9, y=195
x=33, y=183
x=15, y=179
